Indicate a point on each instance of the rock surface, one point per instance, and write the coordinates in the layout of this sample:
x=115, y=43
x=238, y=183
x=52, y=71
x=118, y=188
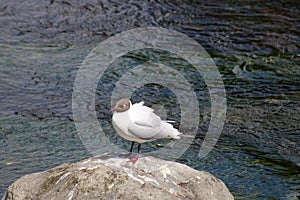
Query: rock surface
x=112, y=177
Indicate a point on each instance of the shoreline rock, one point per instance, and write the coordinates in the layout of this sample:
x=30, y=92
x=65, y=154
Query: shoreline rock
x=112, y=177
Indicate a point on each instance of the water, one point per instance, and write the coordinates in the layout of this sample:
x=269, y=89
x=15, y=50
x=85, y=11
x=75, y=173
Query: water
x=255, y=46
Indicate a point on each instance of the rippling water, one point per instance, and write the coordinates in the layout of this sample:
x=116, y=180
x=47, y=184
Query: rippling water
x=255, y=45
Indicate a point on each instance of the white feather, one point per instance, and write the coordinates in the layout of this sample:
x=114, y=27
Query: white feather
x=139, y=123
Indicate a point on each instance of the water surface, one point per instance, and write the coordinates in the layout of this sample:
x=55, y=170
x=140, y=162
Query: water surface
x=255, y=46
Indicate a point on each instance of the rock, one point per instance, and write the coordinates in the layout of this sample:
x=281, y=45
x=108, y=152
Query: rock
x=111, y=177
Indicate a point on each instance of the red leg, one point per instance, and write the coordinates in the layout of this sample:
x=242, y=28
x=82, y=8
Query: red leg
x=133, y=160
x=132, y=143
x=139, y=148
x=130, y=151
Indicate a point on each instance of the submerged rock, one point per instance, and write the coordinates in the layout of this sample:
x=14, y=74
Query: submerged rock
x=107, y=177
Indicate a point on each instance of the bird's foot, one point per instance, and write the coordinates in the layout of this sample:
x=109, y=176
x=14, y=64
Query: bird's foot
x=133, y=160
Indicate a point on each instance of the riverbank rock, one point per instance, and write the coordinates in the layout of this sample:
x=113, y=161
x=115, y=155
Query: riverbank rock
x=112, y=177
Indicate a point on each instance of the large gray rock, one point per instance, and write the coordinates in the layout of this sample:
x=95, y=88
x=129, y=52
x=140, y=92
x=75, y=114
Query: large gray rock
x=107, y=177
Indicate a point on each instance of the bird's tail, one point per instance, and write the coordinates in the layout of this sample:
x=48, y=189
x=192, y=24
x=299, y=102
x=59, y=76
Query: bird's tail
x=169, y=131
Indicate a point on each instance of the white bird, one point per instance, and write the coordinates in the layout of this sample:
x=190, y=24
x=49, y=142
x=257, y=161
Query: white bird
x=138, y=123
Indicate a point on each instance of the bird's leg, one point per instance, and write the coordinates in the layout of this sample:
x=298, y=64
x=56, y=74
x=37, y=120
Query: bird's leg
x=139, y=148
x=133, y=160
x=130, y=151
x=132, y=143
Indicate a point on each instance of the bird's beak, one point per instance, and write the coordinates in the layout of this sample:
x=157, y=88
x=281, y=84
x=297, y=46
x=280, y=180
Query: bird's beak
x=112, y=110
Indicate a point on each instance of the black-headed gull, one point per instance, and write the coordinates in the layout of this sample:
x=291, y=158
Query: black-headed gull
x=138, y=123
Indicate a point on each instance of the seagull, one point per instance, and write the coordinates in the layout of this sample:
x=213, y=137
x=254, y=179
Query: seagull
x=138, y=123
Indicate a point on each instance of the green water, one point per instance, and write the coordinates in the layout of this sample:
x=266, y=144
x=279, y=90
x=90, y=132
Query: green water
x=254, y=45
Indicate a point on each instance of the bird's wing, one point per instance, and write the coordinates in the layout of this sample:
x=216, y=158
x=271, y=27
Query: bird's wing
x=143, y=115
x=145, y=124
x=143, y=132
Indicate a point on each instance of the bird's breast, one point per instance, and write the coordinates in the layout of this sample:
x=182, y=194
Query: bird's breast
x=120, y=123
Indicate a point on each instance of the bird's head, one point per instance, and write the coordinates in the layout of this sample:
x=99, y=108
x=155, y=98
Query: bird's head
x=121, y=106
